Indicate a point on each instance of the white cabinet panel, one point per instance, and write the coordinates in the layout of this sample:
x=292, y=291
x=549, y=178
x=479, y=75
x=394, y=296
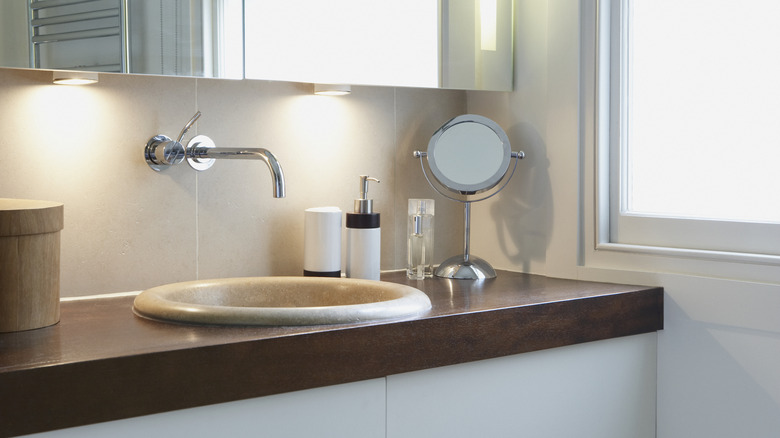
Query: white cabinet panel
x=600, y=389
x=349, y=410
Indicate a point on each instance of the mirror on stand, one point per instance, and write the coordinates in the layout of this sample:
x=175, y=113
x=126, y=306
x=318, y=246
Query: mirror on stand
x=468, y=156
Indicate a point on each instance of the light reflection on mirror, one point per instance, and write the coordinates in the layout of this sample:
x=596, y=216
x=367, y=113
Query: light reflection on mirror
x=458, y=44
x=488, y=18
x=344, y=41
x=187, y=38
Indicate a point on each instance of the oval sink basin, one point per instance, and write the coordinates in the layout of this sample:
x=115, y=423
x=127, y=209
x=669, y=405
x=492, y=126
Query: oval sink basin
x=280, y=301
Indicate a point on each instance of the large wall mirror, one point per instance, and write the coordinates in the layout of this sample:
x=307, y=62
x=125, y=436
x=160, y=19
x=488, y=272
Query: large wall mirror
x=163, y=37
x=457, y=44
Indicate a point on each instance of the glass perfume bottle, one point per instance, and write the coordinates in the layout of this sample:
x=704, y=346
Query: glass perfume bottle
x=419, y=263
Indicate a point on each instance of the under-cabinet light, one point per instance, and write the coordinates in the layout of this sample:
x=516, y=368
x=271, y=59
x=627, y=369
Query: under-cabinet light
x=74, y=77
x=332, y=89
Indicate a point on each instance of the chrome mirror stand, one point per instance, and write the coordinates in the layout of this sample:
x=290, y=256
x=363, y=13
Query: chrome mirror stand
x=456, y=159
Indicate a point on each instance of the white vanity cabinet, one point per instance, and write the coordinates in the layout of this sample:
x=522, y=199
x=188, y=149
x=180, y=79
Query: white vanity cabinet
x=598, y=389
x=603, y=389
x=348, y=410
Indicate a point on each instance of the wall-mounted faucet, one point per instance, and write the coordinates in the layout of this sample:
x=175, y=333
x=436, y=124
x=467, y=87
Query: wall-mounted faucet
x=162, y=152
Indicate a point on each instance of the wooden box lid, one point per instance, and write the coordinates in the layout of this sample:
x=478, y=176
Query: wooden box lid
x=20, y=217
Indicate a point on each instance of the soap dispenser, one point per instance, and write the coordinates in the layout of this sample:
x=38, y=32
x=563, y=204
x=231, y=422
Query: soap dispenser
x=363, y=236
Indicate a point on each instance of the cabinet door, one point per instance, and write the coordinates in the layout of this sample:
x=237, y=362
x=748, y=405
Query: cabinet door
x=349, y=410
x=600, y=389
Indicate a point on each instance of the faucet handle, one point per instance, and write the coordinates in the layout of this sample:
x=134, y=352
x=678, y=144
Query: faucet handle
x=162, y=152
x=187, y=126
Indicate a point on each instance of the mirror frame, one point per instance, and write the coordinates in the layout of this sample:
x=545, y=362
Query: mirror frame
x=484, y=185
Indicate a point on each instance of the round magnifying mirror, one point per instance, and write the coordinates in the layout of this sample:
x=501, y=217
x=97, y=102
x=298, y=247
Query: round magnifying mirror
x=469, y=154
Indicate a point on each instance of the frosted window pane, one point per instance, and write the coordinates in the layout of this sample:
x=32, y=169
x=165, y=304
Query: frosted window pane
x=704, y=109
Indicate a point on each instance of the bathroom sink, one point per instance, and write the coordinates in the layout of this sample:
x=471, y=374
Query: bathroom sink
x=280, y=301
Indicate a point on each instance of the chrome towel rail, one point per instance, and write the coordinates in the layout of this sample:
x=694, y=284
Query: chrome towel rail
x=75, y=23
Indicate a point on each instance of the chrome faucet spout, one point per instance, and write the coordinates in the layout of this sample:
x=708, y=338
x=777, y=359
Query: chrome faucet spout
x=201, y=153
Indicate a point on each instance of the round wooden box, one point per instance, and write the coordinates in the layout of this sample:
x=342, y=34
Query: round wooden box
x=29, y=264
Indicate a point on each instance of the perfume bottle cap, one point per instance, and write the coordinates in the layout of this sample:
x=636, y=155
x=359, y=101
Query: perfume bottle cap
x=421, y=206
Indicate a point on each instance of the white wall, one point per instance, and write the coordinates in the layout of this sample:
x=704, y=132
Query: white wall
x=719, y=354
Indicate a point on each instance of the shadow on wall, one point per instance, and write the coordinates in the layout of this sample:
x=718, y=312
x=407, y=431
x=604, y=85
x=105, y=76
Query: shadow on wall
x=524, y=211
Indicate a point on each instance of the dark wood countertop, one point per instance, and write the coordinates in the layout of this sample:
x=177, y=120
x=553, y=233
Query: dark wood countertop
x=101, y=362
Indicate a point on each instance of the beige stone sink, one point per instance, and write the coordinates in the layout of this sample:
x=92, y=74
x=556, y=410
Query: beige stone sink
x=280, y=301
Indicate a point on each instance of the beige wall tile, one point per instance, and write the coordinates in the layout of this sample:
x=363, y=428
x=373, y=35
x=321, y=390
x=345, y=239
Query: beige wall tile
x=323, y=144
x=129, y=228
x=126, y=227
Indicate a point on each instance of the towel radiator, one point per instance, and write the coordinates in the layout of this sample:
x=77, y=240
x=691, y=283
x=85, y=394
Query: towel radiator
x=79, y=35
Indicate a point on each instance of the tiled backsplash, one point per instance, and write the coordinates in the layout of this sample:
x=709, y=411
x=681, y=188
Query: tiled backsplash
x=129, y=228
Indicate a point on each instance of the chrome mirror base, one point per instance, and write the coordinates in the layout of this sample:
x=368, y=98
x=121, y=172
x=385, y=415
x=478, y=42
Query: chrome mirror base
x=459, y=268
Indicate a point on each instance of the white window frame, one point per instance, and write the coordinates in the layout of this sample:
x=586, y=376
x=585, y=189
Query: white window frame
x=599, y=127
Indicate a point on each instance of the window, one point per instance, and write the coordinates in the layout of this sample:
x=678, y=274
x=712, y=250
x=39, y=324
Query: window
x=691, y=92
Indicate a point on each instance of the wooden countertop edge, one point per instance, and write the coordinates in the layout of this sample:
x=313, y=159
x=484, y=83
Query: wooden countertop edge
x=74, y=394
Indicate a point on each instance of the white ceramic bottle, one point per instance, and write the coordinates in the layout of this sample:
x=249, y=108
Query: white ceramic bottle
x=363, y=236
x=322, y=242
